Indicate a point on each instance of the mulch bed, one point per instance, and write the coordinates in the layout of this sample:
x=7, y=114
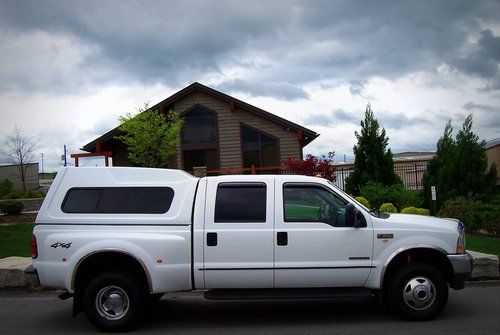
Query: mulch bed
x=21, y=218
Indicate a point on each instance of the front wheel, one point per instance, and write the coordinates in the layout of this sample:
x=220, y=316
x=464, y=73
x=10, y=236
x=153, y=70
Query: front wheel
x=418, y=291
x=114, y=300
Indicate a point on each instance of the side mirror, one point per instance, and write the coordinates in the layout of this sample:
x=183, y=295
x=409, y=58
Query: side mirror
x=350, y=215
x=353, y=218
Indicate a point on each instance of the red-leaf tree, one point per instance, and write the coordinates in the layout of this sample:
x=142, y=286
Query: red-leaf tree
x=313, y=166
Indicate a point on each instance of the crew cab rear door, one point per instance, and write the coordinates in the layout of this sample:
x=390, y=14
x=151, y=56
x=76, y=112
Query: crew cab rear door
x=239, y=233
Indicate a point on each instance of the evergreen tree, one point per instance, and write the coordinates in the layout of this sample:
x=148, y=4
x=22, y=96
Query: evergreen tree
x=373, y=161
x=436, y=174
x=460, y=167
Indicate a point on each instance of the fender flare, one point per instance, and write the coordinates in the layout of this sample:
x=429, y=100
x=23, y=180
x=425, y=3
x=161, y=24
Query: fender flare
x=403, y=249
x=116, y=250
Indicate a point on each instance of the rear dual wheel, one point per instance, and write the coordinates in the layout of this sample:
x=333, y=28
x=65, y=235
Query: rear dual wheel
x=114, y=301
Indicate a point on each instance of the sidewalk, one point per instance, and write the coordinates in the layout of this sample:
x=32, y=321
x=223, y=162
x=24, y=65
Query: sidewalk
x=12, y=269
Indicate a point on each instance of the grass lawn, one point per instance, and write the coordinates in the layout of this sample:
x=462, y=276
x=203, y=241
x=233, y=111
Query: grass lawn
x=486, y=244
x=15, y=240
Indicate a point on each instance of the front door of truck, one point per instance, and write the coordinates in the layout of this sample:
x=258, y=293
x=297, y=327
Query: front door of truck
x=313, y=247
x=239, y=233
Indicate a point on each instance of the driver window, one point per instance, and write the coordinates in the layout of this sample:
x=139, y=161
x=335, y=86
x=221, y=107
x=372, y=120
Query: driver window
x=309, y=203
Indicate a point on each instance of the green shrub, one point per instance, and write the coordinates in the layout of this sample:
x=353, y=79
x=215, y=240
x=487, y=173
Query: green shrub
x=363, y=201
x=476, y=215
x=11, y=207
x=388, y=208
x=397, y=194
x=5, y=187
x=14, y=194
x=415, y=210
x=35, y=194
x=18, y=194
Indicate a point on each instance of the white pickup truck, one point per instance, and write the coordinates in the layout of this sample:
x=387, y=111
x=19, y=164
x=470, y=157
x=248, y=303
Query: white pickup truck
x=116, y=238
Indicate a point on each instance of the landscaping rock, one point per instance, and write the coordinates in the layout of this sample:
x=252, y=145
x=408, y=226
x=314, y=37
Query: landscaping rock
x=485, y=266
x=12, y=271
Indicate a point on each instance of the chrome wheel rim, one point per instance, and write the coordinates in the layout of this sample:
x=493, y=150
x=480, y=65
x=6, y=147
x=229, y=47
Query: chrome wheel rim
x=112, y=303
x=419, y=293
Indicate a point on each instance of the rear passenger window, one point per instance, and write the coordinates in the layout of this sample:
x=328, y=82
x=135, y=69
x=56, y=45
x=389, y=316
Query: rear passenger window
x=240, y=202
x=118, y=200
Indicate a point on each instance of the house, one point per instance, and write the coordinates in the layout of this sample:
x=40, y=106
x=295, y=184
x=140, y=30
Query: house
x=220, y=132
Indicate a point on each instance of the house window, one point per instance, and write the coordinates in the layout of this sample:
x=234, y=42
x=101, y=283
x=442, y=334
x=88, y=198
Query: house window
x=259, y=149
x=199, y=139
x=207, y=157
x=199, y=127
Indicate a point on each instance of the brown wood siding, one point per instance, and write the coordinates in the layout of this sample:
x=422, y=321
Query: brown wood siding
x=229, y=130
x=120, y=152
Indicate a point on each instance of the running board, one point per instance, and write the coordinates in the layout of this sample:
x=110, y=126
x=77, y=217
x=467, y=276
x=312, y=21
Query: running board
x=342, y=294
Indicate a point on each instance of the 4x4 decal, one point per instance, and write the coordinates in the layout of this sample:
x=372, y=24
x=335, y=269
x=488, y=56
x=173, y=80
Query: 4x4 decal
x=62, y=245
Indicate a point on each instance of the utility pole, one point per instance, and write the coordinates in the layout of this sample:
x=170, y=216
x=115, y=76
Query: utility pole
x=65, y=162
x=42, y=161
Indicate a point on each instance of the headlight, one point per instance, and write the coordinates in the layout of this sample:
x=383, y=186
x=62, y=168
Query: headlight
x=461, y=238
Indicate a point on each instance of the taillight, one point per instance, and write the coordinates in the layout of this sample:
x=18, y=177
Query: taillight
x=34, y=247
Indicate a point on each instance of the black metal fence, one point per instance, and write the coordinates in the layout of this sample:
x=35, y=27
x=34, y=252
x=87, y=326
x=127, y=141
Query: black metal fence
x=410, y=173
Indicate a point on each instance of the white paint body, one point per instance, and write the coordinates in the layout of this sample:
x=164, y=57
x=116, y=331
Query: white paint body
x=172, y=247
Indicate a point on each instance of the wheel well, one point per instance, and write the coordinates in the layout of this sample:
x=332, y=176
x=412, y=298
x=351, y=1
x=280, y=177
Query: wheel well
x=418, y=255
x=101, y=262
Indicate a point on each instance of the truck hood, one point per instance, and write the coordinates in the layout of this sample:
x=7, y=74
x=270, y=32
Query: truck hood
x=422, y=221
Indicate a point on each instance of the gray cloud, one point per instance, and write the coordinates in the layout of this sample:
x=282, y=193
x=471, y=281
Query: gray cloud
x=356, y=87
x=281, y=91
x=490, y=109
x=284, y=44
x=483, y=60
x=335, y=117
x=490, y=118
x=401, y=120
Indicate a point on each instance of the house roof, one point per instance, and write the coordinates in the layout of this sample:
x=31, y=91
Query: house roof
x=307, y=134
x=493, y=143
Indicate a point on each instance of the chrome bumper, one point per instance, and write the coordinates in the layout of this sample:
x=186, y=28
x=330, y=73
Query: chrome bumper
x=462, y=269
x=461, y=263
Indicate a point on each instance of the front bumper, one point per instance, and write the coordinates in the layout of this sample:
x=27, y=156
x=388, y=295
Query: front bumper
x=31, y=276
x=462, y=269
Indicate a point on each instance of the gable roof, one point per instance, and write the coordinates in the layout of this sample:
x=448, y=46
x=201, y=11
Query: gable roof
x=307, y=135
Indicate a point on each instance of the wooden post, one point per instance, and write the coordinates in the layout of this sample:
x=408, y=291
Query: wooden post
x=254, y=171
x=106, y=160
x=76, y=161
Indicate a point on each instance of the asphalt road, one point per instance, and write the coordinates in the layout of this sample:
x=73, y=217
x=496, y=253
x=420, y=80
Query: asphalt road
x=474, y=310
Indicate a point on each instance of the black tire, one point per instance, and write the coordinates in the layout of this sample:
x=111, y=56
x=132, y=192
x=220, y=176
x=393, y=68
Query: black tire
x=114, y=301
x=418, y=291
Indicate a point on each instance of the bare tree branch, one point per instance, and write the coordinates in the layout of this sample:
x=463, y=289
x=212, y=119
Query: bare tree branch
x=18, y=150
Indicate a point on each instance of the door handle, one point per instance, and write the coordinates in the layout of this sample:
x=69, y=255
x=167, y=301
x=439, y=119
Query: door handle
x=282, y=238
x=211, y=239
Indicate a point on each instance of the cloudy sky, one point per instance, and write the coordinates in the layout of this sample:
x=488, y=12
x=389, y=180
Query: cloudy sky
x=68, y=69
